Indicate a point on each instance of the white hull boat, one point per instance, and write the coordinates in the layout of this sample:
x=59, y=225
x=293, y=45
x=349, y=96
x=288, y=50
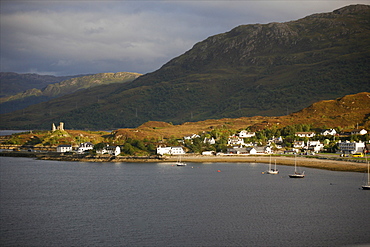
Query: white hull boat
x=179, y=163
x=271, y=170
x=296, y=174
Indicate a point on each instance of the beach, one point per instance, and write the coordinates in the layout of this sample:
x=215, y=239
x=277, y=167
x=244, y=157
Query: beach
x=320, y=162
x=313, y=162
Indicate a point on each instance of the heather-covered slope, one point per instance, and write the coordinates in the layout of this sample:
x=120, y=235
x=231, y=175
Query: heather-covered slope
x=349, y=111
x=261, y=69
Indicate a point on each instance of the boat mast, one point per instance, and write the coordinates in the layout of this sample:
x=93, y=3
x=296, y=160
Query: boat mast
x=368, y=171
x=368, y=174
x=295, y=163
x=270, y=163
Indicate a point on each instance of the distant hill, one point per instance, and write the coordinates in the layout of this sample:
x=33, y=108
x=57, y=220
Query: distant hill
x=260, y=69
x=12, y=83
x=34, y=95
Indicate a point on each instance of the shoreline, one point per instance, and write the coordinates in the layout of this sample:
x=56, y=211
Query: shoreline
x=318, y=163
x=311, y=162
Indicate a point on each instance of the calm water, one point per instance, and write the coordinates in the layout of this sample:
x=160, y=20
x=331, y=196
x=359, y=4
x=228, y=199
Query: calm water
x=9, y=132
x=51, y=203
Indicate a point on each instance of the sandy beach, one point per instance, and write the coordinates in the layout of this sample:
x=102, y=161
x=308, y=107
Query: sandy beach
x=328, y=164
x=320, y=162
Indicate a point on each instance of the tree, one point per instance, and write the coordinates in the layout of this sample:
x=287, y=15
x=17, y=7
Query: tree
x=151, y=148
x=128, y=149
x=139, y=144
x=99, y=146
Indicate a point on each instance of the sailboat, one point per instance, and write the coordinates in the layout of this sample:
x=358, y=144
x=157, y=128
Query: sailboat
x=272, y=171
x=296, y=174
x=179, y=163
x=366, y=186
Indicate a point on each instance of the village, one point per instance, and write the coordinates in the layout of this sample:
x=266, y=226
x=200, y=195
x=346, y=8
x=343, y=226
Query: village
x=236, y=145
x=245, y=143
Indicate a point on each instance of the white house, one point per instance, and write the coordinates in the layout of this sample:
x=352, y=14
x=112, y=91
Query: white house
x=208, y=153
x=209, y=140
x=64, y=148
x=177, y=150
x=261, y=150
x=234, y=140
x=246, y=134
x=112, y=150
x=276, y=140
x=249, y=150
x=330, y=132
x=359, y=132
x=298, y=144
x=305, y=134
x=170, y=150
x=84, y=147
x=163, y=150
x=314, y=146
x=191, y=137
x=351, y=147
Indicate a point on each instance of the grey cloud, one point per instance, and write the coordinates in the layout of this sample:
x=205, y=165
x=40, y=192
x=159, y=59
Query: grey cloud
x=78, y=37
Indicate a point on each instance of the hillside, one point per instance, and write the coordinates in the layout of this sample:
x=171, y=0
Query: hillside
x=34, y=95
x=349, y=111
x=12, y=83
x=260, y=69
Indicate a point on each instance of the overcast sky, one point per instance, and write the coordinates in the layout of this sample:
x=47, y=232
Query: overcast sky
x=69, y=37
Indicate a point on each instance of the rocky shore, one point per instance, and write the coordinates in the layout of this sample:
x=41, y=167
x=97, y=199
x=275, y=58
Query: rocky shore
x=336, y=164
x=80, y=157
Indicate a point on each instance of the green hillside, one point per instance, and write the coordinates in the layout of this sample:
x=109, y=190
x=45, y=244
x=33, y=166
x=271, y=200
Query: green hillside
x=261, y=69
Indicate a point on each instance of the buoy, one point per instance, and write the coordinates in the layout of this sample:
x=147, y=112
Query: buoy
x=218, y=171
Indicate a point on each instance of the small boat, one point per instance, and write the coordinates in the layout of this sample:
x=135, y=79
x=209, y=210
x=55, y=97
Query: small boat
x=179, y=163
x=366, y=186
x=296, y=174
x=270, y=170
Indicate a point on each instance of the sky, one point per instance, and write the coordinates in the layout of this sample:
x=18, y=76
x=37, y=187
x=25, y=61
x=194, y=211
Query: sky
x=72, y=37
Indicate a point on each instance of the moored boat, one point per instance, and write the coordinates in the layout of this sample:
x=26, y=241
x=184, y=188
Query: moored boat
x=179, y=163
x=272, y=170
x=296, y=174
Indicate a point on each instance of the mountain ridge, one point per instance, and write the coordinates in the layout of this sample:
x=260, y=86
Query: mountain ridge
x=14, y=102
x=12, y=83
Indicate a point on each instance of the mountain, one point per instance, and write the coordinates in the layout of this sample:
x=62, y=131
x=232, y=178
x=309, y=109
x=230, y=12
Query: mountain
x=12, y=83
x=34, y=95
x=260, y=69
